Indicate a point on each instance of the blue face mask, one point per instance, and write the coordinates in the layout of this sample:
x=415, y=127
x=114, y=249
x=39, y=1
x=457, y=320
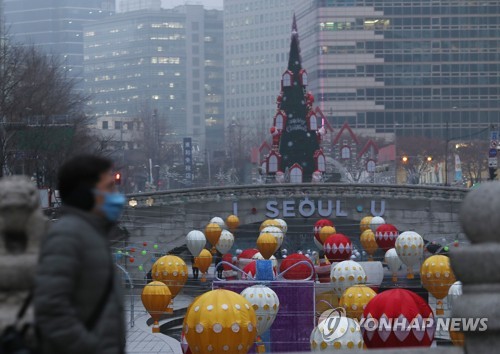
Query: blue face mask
x=113, y=205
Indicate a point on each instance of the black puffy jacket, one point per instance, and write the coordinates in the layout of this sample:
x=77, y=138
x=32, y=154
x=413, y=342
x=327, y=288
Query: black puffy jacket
x=73, y=274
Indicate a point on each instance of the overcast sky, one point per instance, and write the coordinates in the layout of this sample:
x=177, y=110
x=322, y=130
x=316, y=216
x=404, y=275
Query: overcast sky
x=209, y=4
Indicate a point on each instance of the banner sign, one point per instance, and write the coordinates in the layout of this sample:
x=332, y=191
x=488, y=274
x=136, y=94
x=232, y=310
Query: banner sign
x=188, y=160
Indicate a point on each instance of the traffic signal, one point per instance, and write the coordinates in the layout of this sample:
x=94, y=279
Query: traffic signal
x=493, y=174
x=118, y=178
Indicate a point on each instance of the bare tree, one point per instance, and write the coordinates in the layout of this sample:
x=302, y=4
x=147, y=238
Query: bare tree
x=153, y=143
x=355, y=167
x=240, y=138
x=11, y=68
x=42, y=115
x=474, y=159
x=416, y=154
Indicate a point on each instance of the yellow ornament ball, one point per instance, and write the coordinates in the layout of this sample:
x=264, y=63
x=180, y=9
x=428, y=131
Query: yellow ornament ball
x=368, y=242
x=233, y=222
x=203, y=261
x=267, y=245
x=355, y=299
x=325, y=232
x=212, y=233
x=156, y=297
x=437, y=277
x=269, y=222
x=171, y=271
x=365, y=223
x=220, y=321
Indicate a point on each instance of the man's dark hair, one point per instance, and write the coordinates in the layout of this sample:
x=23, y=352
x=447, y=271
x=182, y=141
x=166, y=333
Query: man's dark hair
x=78, y=177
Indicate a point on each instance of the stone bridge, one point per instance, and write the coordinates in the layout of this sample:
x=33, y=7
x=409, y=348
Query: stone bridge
x=167, y=216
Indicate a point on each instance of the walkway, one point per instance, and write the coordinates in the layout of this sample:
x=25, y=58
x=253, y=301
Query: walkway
x=140, y=339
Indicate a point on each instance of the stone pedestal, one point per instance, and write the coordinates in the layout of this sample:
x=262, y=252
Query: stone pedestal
x=477, y=266
x=22, y=224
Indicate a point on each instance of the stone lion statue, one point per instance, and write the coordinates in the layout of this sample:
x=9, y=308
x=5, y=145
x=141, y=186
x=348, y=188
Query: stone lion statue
x=22, y=224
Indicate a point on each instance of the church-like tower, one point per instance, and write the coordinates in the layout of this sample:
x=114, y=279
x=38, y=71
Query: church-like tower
x=297, y=127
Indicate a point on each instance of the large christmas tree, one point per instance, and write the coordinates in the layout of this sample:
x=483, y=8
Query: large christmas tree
x=297, y=130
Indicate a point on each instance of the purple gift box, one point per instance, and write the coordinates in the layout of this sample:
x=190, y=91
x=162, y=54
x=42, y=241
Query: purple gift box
x=294, y=322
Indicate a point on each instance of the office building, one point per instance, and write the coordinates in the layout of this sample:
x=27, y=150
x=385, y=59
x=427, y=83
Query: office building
x=134, y=5
x=163, y=60
x=256, y=46
x=415, y=67
x=214, y=80
x=56, y=26
x=2, y=24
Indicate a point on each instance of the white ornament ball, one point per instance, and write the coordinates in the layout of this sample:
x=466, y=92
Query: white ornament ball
x=346, y=274
x=376, y=222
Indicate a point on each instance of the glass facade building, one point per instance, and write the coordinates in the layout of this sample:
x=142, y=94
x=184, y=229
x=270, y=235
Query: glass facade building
x=214, y=79
x=416, y=67
x=134, y=5
x=55, y=26
x=256, y=45
x=170, y=61
x=2, y=24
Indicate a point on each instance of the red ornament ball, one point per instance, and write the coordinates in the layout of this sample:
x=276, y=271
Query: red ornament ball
x=398, y=318
x=132, y=250
x=184, y=343
x=251, y=269
x=318, y=226
x=245, y=257
x=338, y=248
x=248, y=253
x=131, y=259
x=144, y=244
x=386, y=236
x=228, y=257
x=272, y=130
x=299, y=272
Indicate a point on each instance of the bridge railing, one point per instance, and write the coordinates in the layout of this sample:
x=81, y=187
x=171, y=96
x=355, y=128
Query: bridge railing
x=225, y=193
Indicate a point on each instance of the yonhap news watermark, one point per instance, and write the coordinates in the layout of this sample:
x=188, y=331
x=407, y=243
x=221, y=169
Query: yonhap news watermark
x=333, y=324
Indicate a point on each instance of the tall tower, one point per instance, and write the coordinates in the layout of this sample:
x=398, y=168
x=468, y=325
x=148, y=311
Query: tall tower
x=297, y=127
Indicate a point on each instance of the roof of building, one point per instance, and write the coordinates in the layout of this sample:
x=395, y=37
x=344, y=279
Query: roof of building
x=387, y=153
x=369, y=143
x=344, y=128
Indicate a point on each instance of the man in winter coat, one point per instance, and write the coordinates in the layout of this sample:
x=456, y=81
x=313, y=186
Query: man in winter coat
x=78, y=302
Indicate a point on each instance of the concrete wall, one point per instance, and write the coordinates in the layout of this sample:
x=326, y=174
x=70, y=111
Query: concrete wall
x=168, y=216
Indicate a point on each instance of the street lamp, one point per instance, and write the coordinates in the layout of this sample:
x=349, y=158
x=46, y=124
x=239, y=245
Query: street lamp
x=414, y=170
x=231, y=131
x=406, y=158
